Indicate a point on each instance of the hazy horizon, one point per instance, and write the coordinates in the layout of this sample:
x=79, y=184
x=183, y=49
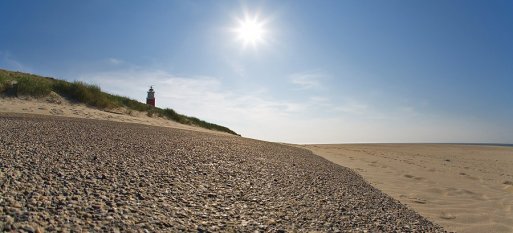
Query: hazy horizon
x=287, y=71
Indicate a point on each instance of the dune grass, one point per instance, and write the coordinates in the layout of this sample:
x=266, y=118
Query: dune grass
x=3, y=84
x=23, y=84
x=32, y=86
x=85, y=93
x=26, y=84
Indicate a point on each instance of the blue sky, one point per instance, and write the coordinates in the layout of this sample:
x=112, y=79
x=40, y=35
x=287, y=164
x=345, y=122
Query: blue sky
x=326, y=71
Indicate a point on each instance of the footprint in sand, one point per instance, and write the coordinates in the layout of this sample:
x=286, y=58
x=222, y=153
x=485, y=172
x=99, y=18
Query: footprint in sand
x=414, y=177
x=418, y=200
x=373, y=165
x=55, y=111
x=468, y=176
x=447, y=216
x=436, y=191
x=472, y=178
x=508, y=186
x=466, y=193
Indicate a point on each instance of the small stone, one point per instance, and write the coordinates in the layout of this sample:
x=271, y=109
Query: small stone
x=211, y=195
x=271, y=221
x=16, y=204
x=244, y=223
x=9, y=219
x=28, y=228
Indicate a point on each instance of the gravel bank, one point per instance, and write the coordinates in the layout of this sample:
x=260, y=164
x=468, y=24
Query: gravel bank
x=61, y=173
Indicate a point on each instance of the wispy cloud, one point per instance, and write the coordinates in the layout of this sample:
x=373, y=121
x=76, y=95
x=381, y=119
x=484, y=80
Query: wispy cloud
x=308, y=80
x=7, y=61
x=202, y=96
x=257, y=114
x=353, y=107
x=114, y=61
x=237, y=68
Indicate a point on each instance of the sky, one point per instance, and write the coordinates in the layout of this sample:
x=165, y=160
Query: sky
x=318, y=72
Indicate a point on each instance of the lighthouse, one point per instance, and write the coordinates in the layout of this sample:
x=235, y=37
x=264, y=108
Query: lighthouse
x=150, y=99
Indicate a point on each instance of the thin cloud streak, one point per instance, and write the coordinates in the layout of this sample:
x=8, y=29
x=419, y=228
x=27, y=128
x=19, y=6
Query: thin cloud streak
x=7, y=61
x=201, y=96
x=308, y=80
x=258, y=115
x=115, y=61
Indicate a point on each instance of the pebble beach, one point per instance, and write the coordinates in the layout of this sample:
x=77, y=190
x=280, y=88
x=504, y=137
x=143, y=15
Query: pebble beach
x=61, y=174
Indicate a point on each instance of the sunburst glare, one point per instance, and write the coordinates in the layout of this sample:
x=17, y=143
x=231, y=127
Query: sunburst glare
x=251, y=31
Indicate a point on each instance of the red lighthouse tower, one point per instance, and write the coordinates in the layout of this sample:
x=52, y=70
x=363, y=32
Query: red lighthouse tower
x=150, y=99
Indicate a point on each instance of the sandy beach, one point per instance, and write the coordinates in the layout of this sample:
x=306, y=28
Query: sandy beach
x=464, y=188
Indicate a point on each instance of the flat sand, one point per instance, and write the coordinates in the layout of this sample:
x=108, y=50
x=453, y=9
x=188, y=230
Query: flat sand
x=464, y=188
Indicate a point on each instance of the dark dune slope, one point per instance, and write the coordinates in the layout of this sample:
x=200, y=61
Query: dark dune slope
x=62, y=173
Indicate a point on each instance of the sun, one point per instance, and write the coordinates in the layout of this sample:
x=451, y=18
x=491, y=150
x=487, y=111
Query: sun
x=250, y=31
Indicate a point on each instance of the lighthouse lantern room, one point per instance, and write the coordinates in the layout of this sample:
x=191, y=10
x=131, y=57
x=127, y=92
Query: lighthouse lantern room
x=150, y=99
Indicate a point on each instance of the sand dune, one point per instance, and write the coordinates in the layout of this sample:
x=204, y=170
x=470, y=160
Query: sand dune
x=464, y=188
x=54, y=105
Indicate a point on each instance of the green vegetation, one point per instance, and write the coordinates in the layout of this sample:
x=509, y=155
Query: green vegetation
x=91, y=95
x=3, y=84
x=23, y=84
x=33, y=86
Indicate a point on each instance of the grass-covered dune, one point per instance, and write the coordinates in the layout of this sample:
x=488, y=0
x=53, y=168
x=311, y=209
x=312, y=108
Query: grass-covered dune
x=24, y=84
